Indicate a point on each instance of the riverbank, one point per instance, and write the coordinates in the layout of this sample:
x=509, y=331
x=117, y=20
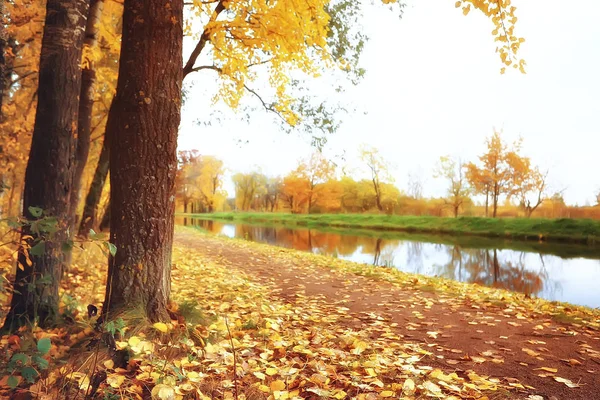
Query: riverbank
x=534, y=229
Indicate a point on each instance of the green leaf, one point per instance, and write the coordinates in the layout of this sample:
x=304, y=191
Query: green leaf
x=36, y=212
x=19, y=357
x=44, y=345
x=110, y=327
x=12, y=382
x=29, y=374
x=67, y=246
x=42, y=363
x=93, y=235
x=39, y=249
x=112, y=249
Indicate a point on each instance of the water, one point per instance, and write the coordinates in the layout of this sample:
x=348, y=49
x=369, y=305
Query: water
x=569, y=273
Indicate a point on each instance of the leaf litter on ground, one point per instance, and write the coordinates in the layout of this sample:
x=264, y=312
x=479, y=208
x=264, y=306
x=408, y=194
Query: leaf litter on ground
x=239, y=339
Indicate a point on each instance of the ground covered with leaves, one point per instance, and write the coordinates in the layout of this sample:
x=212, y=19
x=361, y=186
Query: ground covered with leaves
x=254, y=321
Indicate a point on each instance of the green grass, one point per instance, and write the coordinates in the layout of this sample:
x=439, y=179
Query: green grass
x=555, y=230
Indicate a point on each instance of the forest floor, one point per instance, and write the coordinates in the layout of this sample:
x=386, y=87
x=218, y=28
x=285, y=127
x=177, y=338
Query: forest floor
x=298, y=325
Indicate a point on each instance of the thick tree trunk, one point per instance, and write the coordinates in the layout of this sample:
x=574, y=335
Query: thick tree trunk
x=143, y=120
x=90, y=209
x=49, y=173
x=86, y=104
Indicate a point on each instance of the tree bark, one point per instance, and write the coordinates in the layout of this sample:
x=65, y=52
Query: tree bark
x=143, y=120
x=90, y=209
x=86, y=104
x=3, y=66
x=49, y=173
x=105, y=221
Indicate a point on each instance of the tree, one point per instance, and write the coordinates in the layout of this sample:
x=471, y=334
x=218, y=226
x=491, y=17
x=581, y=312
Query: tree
x=378, y=169
x=295, y=192
x=86, y=104
x=458, y=190
x=90, y=208
x=248, y=187
x=529, y=183
x=272, y=194
x=185, y=178
x=317, y=170
x=210, y=181
x=49, y=173
x=142, y=126
x=494, y=177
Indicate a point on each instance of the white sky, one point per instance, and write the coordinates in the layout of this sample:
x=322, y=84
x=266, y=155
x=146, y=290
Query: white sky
x=433, y=87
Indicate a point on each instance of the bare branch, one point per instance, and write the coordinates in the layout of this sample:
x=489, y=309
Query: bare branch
x=189, y=65
x=211, y=67
x=265, y=105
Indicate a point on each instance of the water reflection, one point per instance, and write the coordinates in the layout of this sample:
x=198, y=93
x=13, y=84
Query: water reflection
x=533, y=273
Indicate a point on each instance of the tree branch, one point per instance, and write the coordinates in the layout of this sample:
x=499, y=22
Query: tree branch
x=189, y=65
x=265, y=105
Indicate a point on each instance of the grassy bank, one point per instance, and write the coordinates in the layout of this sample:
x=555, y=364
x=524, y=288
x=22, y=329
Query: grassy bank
x=557, y=230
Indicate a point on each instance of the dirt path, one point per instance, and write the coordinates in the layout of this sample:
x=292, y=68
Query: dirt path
x=490, y=340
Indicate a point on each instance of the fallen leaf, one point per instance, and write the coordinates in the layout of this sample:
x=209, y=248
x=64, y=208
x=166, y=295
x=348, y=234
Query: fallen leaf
x=547, y=369
x=566, y=382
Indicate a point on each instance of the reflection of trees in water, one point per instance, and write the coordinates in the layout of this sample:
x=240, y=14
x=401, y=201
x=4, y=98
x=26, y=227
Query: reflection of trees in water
x=383, y=254
x=486, y=267
x=414, y=256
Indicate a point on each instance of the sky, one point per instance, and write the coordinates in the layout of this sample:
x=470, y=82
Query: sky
x=433, y=87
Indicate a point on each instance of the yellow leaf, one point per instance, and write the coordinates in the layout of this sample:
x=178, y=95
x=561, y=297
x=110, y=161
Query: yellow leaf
x=408, y=387
x=271, y=371
x=277, y=385
x=548, y=369
x=432, y=387
x=163, y=392
x=530, y=352
x=115, y=380
x=161, y=326
x=259, y=375
x=566, y=382
x=386, y=393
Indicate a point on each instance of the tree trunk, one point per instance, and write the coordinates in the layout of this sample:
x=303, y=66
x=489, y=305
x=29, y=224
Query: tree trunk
x=377, y=195
x=487, y=202
x=49, y=173
x=105, y=221
x=86, y=104
x=143, y=120
x=456, y=207
x=3, y=66
x=90, y=209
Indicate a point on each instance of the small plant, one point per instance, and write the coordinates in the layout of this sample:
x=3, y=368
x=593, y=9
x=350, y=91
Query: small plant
x=28, y=365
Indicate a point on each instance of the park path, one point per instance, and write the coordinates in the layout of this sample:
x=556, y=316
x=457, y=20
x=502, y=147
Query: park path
x=461, y=335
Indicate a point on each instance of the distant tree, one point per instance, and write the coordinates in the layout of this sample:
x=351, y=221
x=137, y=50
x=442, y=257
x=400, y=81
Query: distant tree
x=316, y=170
x=415, y=185
x=184, y=181
x=529, y=183
x=248, y=187
x=494, y=177
x=454, y=173
x=272, y=193
x=295, y=191
x=378, y=168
